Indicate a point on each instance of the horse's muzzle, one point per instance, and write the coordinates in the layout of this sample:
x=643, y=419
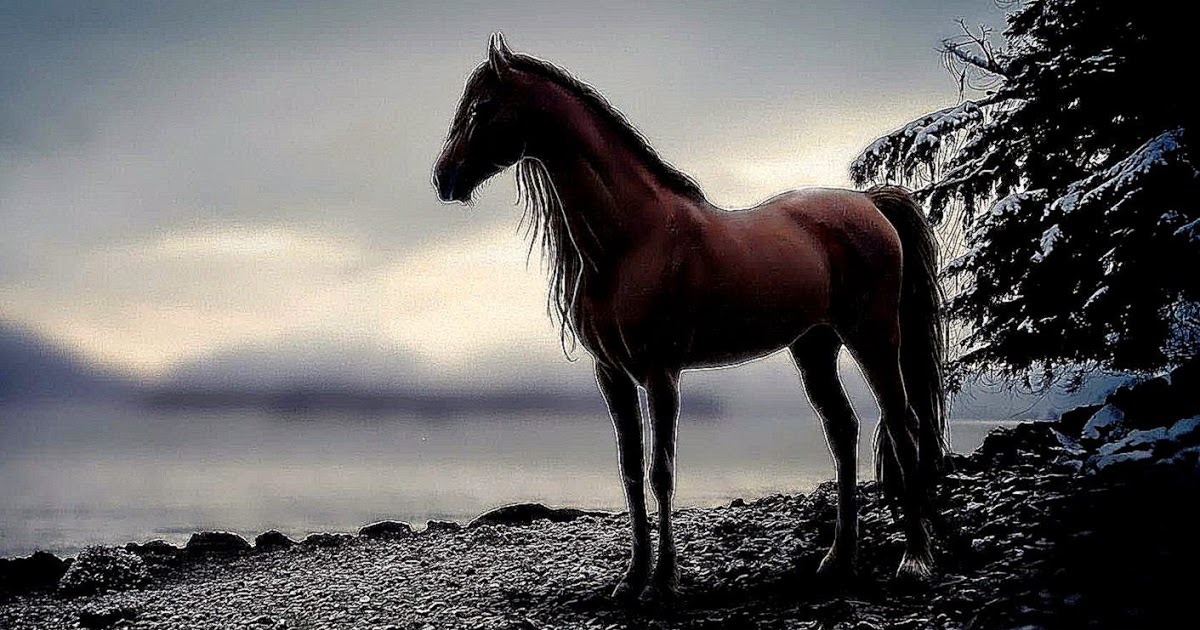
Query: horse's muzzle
x=445, y=181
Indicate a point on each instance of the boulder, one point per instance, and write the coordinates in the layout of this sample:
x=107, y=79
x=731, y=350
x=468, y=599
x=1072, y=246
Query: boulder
x=108, y=613
x=272, y=540
x=1005, y=446
x=1104, y=425
x=99, y=569
x=325, y=539
x=41, y=570
x=1148, y=445
x=157, y=553
x=216, y=543
x=1071, y=422
x=442, y=527
x=527, y=513
x=1142, y=402
x=386, y=529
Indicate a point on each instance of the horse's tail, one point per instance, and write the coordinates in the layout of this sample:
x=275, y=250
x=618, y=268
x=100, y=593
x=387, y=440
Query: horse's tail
x=922, y=340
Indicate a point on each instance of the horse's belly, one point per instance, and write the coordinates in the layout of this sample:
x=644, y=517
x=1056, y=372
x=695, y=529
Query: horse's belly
x=739, y=339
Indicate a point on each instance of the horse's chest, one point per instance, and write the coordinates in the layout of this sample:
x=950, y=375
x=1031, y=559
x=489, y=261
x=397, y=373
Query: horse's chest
x=620, y=327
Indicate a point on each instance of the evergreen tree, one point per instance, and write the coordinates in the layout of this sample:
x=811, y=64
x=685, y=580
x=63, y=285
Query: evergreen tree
x=1065, y=190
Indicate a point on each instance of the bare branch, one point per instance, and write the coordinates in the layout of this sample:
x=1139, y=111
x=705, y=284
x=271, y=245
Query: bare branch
x=987, y=62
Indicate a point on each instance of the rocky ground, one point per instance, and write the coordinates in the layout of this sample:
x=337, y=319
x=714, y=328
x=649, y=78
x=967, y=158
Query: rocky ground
x=1085, y=522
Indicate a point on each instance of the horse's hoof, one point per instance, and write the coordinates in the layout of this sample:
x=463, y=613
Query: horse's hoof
x=836, y=567
x=630, y=586
x=625, y=591
x=660, y=593
x=916, y=567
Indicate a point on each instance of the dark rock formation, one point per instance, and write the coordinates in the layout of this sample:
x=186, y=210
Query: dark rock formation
x=107, y=614
x=527, y=513
x=325, y=539
x=441, y=527
x=273, y=540
x=1154, y=403
x=1071, y=422
x=41, y=570
x=386, y=529
x=100, y=569
x=159, y=555
x=216, y=543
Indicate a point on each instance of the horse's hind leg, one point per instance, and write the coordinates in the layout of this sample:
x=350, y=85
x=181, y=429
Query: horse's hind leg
x=816, y=354
x=876, y=346
x=620, y=393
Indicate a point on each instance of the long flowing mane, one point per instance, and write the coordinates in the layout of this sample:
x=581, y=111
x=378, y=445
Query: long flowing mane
x=543, y=207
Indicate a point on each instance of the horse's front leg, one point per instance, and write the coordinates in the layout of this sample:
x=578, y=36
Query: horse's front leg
x=620, y=393
x=663, y=394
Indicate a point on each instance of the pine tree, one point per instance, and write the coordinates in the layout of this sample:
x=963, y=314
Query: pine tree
x=1065, y=191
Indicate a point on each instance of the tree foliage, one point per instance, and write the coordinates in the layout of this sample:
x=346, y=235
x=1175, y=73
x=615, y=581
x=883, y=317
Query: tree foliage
x=1065, y=189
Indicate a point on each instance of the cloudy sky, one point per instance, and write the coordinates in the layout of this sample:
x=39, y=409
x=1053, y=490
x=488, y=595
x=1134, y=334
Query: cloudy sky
x=180, y=180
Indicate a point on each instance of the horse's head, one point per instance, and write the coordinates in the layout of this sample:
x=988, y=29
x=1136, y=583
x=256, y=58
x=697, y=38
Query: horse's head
x=487, y=134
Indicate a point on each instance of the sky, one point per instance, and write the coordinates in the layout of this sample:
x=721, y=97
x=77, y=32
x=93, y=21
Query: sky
x=186, y=180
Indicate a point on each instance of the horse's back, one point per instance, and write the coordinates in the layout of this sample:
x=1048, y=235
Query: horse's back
x=834, y=237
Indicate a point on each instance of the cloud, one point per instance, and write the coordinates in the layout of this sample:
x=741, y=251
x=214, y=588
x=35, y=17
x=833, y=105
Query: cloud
x=182, y=180
x=154, y=303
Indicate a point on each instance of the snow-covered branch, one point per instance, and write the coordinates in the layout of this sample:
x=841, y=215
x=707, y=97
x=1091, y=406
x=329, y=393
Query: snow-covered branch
x=1126, y=174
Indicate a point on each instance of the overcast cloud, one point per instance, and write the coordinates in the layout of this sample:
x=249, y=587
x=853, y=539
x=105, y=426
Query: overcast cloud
x=180, y=180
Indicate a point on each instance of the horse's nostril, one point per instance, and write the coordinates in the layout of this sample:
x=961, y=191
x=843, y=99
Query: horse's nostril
x=444, y=182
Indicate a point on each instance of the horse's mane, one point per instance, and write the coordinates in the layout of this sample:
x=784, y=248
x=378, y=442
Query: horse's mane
x=543, y=207
x=676, y=180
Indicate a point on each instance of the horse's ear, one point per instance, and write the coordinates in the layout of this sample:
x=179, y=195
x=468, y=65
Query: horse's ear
x=499, y=56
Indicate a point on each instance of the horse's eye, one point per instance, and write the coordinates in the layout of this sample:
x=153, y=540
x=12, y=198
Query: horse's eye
x=482, y=106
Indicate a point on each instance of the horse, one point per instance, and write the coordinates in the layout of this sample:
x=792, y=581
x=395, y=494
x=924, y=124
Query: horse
x=652, y=279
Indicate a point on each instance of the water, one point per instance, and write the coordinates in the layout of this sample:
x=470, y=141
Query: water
x=108, y=473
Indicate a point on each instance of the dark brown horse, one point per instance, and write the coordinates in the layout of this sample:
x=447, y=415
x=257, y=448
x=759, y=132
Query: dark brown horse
x=653, y=279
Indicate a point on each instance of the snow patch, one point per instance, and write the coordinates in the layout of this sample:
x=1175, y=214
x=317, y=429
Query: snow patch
x=1124, y=175
x=1191, y=231
x=1050, y=238
x=1102, y=422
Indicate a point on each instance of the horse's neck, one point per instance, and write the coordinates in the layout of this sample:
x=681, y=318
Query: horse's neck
x=611, y=200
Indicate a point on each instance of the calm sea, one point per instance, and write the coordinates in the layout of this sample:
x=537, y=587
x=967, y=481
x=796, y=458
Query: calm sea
x=108, y=473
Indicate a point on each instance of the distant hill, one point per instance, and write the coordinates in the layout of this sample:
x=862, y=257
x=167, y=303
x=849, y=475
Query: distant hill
x=32, y=367
x=298, y=375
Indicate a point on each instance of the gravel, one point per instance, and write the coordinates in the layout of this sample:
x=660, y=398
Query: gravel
x=1028, y=538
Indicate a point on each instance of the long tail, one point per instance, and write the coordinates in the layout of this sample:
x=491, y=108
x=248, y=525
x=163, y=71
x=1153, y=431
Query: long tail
x=922, y=340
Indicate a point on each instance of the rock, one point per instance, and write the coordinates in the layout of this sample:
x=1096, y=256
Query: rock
x=1186, y=431
x=1141, y=401
x=737, y=503
x=1100, y=463
x=1134, y=441
x=527, y=513
x=386, y=529
x=217, y=543
x=1159, y=443
x=1071, y=422
x=99, y=569
x=156, y=547
x=40, y=570
x=1162, y=400
x=442, y=527
x=156, y=553
x=1185, y=462
x=1105, y=424
x=325, y=539
x=273, y=540
x=107, y=614
x=1006, y=446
